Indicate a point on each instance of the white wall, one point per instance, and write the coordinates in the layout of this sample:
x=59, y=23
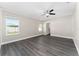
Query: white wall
x=28, y=28
x=76, y=29
x=61, y=27
x=0, y=28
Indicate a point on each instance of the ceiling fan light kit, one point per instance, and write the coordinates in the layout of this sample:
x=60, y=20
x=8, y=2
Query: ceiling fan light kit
x=49, y=12
x=47, y=15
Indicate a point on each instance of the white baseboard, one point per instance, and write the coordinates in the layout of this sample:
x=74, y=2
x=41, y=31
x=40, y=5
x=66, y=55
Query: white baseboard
x=19, y=39
x=76, y=42
x=62, y=36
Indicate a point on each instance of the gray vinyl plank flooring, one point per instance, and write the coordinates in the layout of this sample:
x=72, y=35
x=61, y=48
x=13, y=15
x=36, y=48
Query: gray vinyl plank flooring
x=40, y=46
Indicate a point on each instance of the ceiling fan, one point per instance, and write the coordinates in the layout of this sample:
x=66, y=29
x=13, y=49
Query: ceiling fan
x=48, y=13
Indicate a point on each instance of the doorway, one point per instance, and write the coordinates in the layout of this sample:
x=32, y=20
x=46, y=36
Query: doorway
x=46, y=28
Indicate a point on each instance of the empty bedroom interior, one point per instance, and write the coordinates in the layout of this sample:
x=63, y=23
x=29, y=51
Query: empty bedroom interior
x=39, y=28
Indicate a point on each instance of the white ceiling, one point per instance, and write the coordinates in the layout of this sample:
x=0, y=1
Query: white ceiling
x=34, y=10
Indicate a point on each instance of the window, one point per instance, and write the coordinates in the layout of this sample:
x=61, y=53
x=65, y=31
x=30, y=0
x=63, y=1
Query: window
x=40, y=28
x=12, y=26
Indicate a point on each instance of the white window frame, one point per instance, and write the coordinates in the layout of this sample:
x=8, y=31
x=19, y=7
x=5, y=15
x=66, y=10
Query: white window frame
x=12, y=18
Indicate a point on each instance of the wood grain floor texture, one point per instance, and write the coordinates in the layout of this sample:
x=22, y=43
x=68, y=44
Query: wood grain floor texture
x=40, y=46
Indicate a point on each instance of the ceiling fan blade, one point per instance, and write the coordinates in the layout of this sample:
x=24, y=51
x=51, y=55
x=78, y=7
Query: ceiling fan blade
x=42, y=14
x=51, y=10
x=52, y=13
